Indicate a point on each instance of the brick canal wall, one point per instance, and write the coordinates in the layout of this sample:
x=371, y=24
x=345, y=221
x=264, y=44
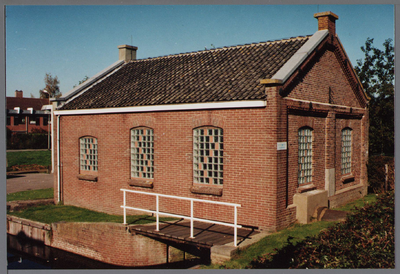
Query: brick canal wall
x=106, y=242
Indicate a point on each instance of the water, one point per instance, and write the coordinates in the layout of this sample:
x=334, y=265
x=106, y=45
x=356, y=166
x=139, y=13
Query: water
x=27, y=254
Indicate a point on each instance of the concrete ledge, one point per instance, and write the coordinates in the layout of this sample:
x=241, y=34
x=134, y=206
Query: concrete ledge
x=308, y=202
x=221, y=253
x=206, y=190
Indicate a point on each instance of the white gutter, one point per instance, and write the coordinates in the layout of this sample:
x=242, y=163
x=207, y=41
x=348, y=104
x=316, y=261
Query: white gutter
x=298, y=58
x=172, y=107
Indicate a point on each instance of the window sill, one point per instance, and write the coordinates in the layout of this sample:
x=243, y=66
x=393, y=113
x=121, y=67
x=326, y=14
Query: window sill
x=206, y=190
x=86, y=177
x=348, y=179
x=305, y=188
x=140, y=183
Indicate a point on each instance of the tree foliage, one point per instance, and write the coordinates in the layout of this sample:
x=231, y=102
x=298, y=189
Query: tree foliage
x=51, y=86
x=82, y=81
x=376, y=72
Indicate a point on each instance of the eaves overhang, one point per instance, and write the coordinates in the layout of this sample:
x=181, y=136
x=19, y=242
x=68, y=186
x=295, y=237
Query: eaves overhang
x=167, y=107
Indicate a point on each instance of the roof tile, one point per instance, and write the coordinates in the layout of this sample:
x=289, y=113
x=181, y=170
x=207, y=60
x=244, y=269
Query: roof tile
x=223, y=74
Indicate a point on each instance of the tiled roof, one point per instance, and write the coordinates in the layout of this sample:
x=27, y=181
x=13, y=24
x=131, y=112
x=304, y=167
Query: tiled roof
x=25, y=103
x=223, y=74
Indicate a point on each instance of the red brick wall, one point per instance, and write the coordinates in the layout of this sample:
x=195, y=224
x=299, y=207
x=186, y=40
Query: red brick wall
x=325, y=74
x=249, y=166
x=256, y=175
x=22, y=127
x=95, y=240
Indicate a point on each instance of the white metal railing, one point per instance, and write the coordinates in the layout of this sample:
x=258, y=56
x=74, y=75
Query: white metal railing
x=191, y=217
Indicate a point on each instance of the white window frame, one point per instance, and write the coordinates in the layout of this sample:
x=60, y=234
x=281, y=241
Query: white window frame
x=142, y=153
x=88, y=153
x=346, y=148
x=305, y=155
x=208, y=156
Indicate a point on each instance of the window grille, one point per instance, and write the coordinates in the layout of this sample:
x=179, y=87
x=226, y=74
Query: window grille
x=305, y=156
x=88, y=155
x=142, y=153
x=346, y=151
x=208, y=152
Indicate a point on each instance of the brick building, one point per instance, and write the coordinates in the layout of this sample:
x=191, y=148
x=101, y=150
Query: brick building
x=269, y=126
x=27, y=114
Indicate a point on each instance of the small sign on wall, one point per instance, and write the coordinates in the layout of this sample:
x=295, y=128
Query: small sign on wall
x=281, y=146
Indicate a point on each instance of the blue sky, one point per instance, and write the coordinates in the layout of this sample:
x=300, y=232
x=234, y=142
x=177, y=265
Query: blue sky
x=72, y=42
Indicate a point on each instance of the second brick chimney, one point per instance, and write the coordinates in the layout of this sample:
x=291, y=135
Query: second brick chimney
x=326, y=21
x=19, y=94
x=127, y=53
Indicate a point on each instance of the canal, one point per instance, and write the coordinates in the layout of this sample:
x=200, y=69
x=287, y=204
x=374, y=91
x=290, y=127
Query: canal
x=28, y=254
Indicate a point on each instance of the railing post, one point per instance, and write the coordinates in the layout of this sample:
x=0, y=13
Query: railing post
x=124, y=207
x=191, y=219
x=235, y=231
x=157, y=215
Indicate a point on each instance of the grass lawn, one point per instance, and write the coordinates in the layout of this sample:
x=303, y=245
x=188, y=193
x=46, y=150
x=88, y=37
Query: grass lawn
x=42, y=158
x=31, y=195
x=56, y=213
x=368, y=199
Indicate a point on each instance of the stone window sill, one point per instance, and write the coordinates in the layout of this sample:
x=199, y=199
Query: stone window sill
x=206, y=190
x=140, y=183
x=86, y=177
x=348, y=179
x=305, y=188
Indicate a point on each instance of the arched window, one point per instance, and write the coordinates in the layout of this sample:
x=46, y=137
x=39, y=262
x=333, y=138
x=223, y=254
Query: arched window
x=305, y=155
x=88, y=154
x=142, y=153
x=346, y=151
x=208, y=152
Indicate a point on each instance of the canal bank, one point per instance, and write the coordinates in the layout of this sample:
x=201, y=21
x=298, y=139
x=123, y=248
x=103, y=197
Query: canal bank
x=110, y=243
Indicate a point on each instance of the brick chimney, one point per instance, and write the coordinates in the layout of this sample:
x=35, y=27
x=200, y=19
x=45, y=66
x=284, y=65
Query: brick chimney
x=326, y=21
x=18, y=94
x=127, y=53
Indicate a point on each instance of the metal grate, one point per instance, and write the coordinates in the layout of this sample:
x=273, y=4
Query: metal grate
x=88, y=155
x=346, y=151
x=208, y=152
x=142, y=153
x=305, y=156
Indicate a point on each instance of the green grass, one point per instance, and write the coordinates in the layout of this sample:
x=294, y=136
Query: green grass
x=42, y=158
x=56, y=213
x=367, y=199
x=31, y=195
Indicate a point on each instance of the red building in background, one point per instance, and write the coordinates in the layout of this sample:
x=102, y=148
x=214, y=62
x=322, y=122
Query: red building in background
x=27, y=114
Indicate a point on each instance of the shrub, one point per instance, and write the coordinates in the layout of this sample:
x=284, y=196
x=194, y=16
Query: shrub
x=364, y=240
x=37, y=139
x=377, y=173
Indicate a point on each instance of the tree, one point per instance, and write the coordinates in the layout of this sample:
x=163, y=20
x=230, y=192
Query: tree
x=82, y=81
x=51, y=86
x=376, y=72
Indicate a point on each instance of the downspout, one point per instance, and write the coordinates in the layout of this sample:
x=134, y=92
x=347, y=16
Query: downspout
x=52, y=139
x=58, y=160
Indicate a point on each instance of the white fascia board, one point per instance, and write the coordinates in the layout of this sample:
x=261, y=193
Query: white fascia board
x=320, y=103
x=174, y=107
x=298, y=58
x=91, y=80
